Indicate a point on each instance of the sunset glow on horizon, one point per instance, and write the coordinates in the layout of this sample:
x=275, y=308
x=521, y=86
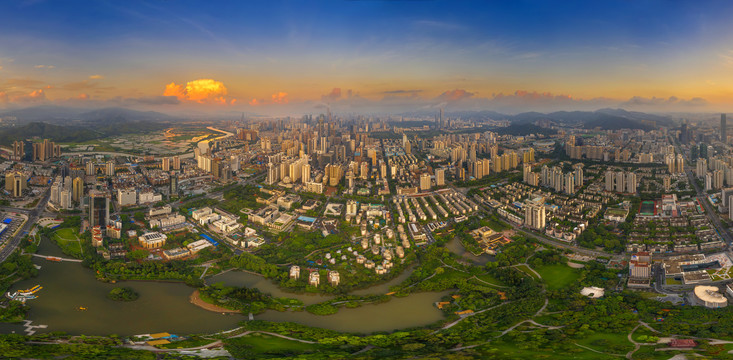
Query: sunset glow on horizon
x=287, y=57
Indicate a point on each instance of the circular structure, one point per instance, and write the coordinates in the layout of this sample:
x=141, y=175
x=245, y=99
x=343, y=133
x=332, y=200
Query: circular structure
x=709, y=297
x=544, y=145
x=592, y=292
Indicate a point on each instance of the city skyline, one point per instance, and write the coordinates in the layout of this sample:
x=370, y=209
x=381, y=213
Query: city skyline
x=288, y=58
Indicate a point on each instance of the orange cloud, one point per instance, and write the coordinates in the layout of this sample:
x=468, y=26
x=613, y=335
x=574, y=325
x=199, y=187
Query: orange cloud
x=202, y=91
x=276, y=98
x=96, y=77
x=280, y=98
x=334, y=95
x=33, y=96
x=3, y=97
x=455, y=95
x=83, y=97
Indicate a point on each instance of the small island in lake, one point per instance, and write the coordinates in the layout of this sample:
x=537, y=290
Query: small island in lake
x=123, y=294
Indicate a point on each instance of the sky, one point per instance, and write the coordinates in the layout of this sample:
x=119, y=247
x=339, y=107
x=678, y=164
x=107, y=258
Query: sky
x=292, y=57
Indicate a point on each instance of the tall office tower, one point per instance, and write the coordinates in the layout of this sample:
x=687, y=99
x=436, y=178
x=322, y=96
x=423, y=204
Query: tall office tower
x=558, y=180
x=631, y=183
x=680, y=164
x=708, y=181
x=717, y=179
x=55, y=191
x=364, y=170
x=620, y=182
x=18, y=185
x=669, y=160
x=272, y=173
x=18, y=150
x=477, y=169
x=496, y=164
x=110, y=168
x=425, y=181
x=90, y=170
x=440, y=177
x=78, y=189
x=487, y=167
x=305, y=172
x=579, y=176
x=174, y=183
x=165, y=164
x=98, y=209
x=526, y=171
x=667, y=182
x=350, y=179
x=216, y=168
x=15, y=183
x=335, y=173
x=723, y=129
x=569, y=183
x=609, y=180
x=176, y=163
x=65, y=199
x=701, y=167
x=38, y=153
x=535, y=216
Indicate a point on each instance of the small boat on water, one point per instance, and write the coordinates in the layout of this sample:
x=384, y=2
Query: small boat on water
x=81, y=308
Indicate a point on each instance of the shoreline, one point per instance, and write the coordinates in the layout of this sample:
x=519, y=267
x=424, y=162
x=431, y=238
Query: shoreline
x=196, y=300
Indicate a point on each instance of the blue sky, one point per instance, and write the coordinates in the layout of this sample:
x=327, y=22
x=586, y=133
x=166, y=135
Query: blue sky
x=596, y=53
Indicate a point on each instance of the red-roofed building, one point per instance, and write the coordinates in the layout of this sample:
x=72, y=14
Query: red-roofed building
x=682, y=343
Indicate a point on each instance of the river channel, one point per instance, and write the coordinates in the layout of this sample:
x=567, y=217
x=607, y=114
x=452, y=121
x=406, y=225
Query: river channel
x=67, y=286
x=457, y=248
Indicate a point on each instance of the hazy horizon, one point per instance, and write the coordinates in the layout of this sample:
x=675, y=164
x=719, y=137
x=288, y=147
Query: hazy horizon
x=286, y=58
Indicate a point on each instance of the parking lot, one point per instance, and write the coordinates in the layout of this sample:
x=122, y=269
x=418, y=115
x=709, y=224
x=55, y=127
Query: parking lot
x=16, y=220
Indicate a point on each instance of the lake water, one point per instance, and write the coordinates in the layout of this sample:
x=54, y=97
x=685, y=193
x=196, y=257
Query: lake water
x=457, y=248
x=165, y=306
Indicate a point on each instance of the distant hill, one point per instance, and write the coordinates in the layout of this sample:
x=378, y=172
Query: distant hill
x=606, y=119
x=47, y=113
x=524, y=129
x=112, y=115
x=117, y=115
x=47, y=131
x=63, y=124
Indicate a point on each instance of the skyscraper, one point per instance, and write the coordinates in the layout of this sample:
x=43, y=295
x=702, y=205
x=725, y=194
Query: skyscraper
x=98, y=209
x=78, y=189
x=723, y=129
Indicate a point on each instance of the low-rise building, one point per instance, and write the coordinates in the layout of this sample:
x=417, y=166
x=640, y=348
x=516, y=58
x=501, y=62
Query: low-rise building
x=314, y=278
x=334, y=278
x=152, y=240
x=709, y=297
x=176, y=253
x=295, y=272
x=198, y=245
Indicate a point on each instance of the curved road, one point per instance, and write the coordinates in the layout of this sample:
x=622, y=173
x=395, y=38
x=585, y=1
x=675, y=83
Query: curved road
x=33, y=215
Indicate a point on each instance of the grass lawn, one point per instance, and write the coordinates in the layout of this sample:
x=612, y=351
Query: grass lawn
x=189, y=343
x=490, y=279
x=262, y=344
x=498, y=225
x=608, y=343
x=525, y=269
x=558, y=276
x=647, y=352
x=673, y=281
x=68, y=242
x=509, y=351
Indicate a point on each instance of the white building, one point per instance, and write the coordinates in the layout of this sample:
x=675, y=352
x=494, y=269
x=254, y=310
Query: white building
x=126, y=197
